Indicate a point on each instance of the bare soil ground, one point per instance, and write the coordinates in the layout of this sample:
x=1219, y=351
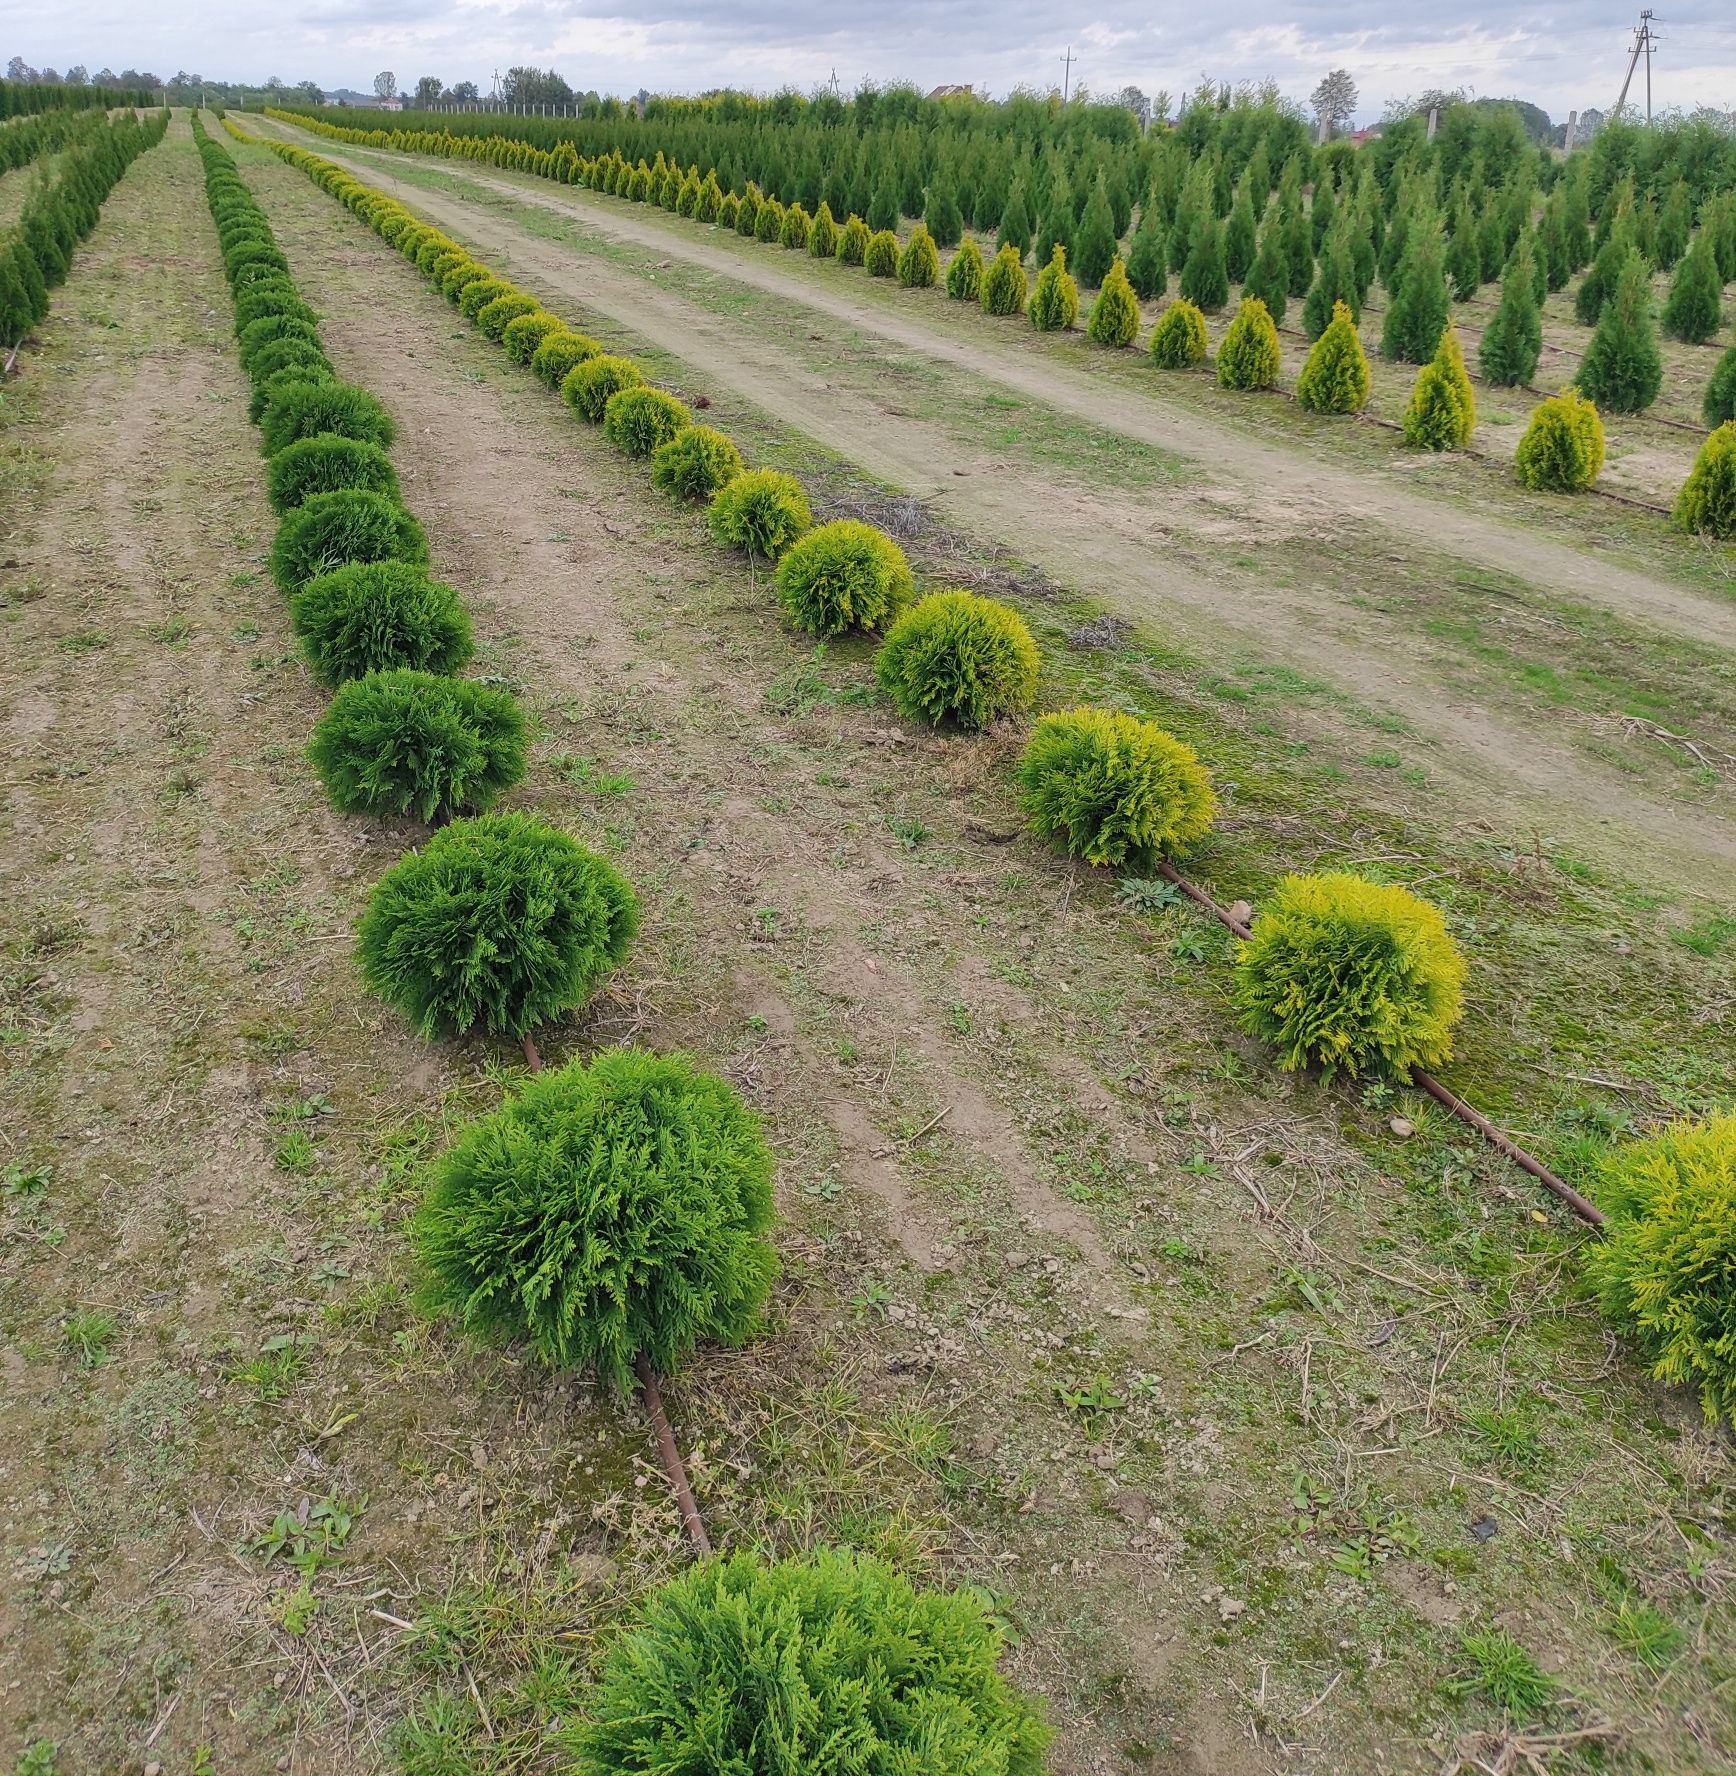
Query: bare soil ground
x=1241, y=1406
x=1285, y=566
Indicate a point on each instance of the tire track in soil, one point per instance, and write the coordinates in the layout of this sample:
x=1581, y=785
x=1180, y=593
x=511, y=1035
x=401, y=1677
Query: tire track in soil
x=1111, y=548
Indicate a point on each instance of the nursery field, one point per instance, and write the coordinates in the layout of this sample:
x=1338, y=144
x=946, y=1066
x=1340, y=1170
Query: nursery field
x=1271, y=1421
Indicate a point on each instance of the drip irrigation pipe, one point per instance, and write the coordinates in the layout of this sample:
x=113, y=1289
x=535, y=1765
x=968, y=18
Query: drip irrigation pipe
x=1504, y=1144
x=673, y=1465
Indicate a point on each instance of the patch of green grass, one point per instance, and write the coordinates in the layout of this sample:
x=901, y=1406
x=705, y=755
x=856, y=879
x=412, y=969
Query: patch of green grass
x=1502, y=1672
x=88, y=1334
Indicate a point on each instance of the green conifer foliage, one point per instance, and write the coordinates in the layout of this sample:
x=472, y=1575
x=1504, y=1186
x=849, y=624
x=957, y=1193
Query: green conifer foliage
x=793, y=230
x=1719, y=406
x=1249, y=357
x=919, y=263
x=823, y=233
x=1204, y=281
x=942, y=217
x=1094, y=246
x=769, y=223
x=1334, y=285
x=1147, y=258
x=1241, y=239
x=1335, y=378
x=1270, y=277
x=1055, y=301
x=1114, y=317
x=1016, y=224
x=853, y=241
x=1562, y=449
x=880, y=256
x=1513, y=339
x=1464, y=257
x=1005, y=289
x=1179, y=341
x=1675, y=224
x=883, y=212
x=1298, y=240
x=1443, y=412
x=1694, y=311
x=1594, y=293
x=1622, y=370
x=1707, y=502
x=964, y=273
x=1417, y=316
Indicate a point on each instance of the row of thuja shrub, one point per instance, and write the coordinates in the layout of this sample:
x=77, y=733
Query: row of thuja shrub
x=613, y=1216
x=1563, y=449
x=60, y=212
x=1342, y=973
x=30, y=138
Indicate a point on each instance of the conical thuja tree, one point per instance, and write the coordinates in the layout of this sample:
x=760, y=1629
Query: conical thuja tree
x=1513, y=339
x=1148, y=256
x=1442, y=412
x=1675, y=225
x=1094, y=247
x=1269, y=279
x=942, y=216
x=1719, y=405
x=1694, y=311
x=1336, y=377
x=1055, y=226
x=614, y=1217
x=1417, y=316
x=1464, y=256
x=1016, y=223
x=1241, y=236
x=1114, y=317
x=1334, y=284
x=1622, y=370
x=1599, y=285
x=1249, y=357
x=1055, y=301
x=1204, y=282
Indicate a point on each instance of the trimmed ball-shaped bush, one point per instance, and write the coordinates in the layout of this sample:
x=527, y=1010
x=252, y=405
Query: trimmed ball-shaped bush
x=305, y=409
x=1562, y=449
x=280, y=354
x=407, y=742
x=267, y=328
x=1110, y=788
x=1005, y=289
x=960, y=658
x=493, y=318
x=964, y=273
x=273, y=386
x=880, y=256
x=871, y=1676
x=380, y=616
x=1249, y=357
x=1350, y=975
x=845, y=575
x=919, y=263
x=1664, y=1267
x=608, y=1213
x=479, y=292
x=454, y=282
x=640, y=420
x=589, y=385
x=1179, y=340
x=258, y=300
x=525, y=332
x=695, y=463
x=500, y=920
x=330, y=530
x=1707, y=502
x=326, y=463
x=761, y=512
x=560, y=354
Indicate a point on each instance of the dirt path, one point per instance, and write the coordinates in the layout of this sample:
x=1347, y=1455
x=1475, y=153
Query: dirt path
x=1121, y=549
x=1298, y=480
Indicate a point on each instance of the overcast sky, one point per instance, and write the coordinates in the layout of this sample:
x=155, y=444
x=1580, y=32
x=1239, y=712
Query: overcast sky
x=1561, y=56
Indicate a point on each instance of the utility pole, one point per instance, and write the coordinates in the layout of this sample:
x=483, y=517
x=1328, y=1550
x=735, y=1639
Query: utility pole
x=834, y=81
x=1066, y=73
x=1646, y=41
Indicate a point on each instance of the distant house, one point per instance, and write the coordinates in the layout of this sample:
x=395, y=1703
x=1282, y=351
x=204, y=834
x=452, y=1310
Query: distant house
x=953, y=92
x=1371, y=134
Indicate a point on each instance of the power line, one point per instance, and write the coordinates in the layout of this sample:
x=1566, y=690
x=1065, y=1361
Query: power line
x=1646, y=41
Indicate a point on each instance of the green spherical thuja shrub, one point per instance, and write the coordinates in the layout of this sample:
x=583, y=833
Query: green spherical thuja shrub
x=407, y=742
x=1663, y=1269
x=271, y=298
x=525, y=332
x=479, y=292
x=845, y=575
x=1111, y=788
x=1249, y=356
x=641, y=420
x=380, y=616
x=607, y=1215
x=282, y=354
x=964, y=273
x=560, y=354
x=872, y=1675
x=275, y=384
x=762, y=512
x=1114, y=316
x=1707, y=502
x=880, y=256
x=329, y=530
x=1350, y=975
x=500, y=920
x=324, y=464
x=959, y=658
x=1055, y=301
x=304, y=409
x=455, y=281
x=1562, y=449
x=695, y=463
x=919, y=263
x=493, y=318
x=1178, y=341
x=590, y=384
x=260, y=333
x=1336, y=377
x=853, y=239
x=1005, y=289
